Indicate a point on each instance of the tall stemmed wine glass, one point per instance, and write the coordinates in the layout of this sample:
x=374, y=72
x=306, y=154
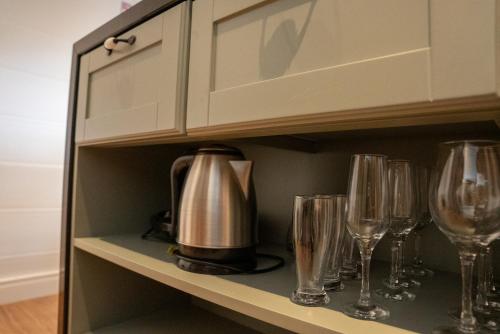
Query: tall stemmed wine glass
x=402, y=221
x=464, y=201
x=422, y=176
x=367, y=221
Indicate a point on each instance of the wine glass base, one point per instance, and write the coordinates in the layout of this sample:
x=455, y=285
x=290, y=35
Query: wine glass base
x=487, y=319
x=403, y=283
x=334, y=286
x=310, y=299
x=419, y=271
x=371, y=312
x=395, y=294
x=407, y=283
x=494, y=302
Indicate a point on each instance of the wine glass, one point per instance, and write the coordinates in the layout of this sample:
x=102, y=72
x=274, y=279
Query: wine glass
x=367, y=221
x=464, y=201
x=402, y=221
x=422, y=176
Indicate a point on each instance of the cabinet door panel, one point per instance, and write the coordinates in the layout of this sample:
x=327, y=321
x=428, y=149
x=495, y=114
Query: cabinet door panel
x=126, y=84
x=378, y=82
x=138, y=88
x=333, y=55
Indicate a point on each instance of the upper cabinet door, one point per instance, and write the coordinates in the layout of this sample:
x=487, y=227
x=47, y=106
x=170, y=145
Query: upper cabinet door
x=139, y=88
x=265, y=59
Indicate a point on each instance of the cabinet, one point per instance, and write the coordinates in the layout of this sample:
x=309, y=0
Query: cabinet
x=303, y=68
x=261, y=64
x=139, y=88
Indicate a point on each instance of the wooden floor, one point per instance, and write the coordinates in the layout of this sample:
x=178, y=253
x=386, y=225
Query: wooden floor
x=29, y=317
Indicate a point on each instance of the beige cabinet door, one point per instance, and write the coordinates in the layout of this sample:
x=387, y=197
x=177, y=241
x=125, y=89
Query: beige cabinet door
x=136, y=89
x=253, y=60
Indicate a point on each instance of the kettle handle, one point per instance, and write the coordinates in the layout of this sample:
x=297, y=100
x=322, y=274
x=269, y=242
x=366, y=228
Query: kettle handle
x=179, y=165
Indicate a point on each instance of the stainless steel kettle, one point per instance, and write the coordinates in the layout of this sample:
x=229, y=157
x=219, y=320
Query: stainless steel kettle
x=214, y=210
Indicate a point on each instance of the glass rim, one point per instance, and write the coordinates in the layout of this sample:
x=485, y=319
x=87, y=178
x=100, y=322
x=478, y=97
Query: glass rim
x=321, y=196
x=481, y=142
x=399, y=161
x=369, y=155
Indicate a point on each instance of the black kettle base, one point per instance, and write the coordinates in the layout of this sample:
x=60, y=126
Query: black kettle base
x=214, y=268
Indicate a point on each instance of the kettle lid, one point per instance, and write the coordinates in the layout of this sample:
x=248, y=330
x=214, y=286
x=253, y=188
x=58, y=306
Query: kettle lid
x=219, y=149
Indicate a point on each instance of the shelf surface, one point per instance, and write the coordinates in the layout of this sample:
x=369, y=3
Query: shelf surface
x=191, y=321
x=266, y=296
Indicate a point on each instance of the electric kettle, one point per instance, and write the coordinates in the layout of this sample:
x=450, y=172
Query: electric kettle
x=214, y=210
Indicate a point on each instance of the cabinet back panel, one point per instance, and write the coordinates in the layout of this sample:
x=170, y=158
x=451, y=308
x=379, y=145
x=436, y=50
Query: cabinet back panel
x=280, y=38
x=118, y=190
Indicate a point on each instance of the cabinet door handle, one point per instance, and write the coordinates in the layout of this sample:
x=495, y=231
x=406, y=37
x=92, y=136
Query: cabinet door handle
x=111, y=42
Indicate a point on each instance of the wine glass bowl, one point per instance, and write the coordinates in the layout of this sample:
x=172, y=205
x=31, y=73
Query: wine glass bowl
x=367, y=218
x=464, y=201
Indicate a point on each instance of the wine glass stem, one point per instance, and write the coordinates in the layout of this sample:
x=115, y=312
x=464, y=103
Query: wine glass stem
x=366, y=255
x=468, y=322
x=395, y=263
x=417, y=260
x=482, y=280
x=488, y=270
x=401, y=255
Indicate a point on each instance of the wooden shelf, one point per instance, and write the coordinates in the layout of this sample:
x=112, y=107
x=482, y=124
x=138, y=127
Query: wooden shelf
x=265, y=296
x=177, y=320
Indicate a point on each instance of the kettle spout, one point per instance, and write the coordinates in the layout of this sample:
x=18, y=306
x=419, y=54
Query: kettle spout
x=243, y=171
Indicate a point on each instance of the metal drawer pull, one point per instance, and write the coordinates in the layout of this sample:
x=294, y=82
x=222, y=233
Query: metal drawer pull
x=111, y=43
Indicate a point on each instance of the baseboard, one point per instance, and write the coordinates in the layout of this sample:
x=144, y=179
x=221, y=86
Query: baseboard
x=29, y=287
x=28, y=276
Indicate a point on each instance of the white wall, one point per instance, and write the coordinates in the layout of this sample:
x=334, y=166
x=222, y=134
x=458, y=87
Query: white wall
x=36, y=39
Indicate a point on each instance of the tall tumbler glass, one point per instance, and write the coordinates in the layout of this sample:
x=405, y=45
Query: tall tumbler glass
x=332, y=277
x=312, y=233
x=367, y=221
x=464, y=200
x=402, y=218
x=349, y=268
